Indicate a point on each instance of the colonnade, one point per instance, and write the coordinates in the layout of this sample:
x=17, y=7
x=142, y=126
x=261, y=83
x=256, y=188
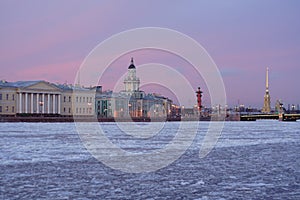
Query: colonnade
x=39, y=103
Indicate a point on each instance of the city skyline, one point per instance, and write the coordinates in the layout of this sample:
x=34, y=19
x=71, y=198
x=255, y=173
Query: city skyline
x=49, y=41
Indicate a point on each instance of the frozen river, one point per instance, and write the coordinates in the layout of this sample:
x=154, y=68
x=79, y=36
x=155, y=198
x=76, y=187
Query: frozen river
x=251, y=160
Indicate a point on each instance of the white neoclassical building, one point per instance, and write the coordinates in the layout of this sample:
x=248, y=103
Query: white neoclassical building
x=41, y=97
x=30, y=97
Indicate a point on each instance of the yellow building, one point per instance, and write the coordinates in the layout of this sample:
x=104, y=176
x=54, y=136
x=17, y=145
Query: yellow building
x=29, y=98
x=77, y=100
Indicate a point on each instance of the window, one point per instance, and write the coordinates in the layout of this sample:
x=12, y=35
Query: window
x=6, y=109
x=69, y=98
x=64, y=109
x=83, y=99
x=13, y=97
x=79, y=110
x=12, y=109
x=0, y=96
x=0, y=108
x=76, y=99
x=69, y=110
x=80, y=99
x=64, y=98
x=83, y=110
x=7, y=96
x=76, y=110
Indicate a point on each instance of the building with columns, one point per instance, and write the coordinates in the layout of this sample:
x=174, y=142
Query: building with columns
x=41, y=98
x=29, y=97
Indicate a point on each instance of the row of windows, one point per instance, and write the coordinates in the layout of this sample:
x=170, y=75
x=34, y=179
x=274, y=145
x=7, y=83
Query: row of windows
x=104, y=102
x=84, y=110
x=7, y=97
x=6, y=109
x=82, y=99
x=78, y=110
x=78, y=99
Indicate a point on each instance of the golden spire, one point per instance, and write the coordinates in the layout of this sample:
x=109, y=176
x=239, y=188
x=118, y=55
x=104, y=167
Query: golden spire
x=267, y=99
x=267, y=79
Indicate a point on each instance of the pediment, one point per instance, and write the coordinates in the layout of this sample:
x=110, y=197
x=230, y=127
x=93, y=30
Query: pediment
x=42, y=86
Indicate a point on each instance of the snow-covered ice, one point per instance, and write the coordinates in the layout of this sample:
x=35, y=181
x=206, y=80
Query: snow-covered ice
x=251, y=160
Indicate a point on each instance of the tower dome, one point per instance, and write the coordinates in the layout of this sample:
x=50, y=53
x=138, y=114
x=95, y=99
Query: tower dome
x=131, y=81
x=131, y=66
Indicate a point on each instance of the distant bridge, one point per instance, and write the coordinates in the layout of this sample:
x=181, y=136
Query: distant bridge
x=281, y=117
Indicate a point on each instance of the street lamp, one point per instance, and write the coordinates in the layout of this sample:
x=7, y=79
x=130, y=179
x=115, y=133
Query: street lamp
x=293, y=107
x=41, y=105
x=129, y=110
x=121, y=112
x=89, y=108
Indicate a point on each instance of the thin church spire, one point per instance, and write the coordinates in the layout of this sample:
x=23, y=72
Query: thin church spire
x=267, y=99
x=267, y=79
x=132, y=60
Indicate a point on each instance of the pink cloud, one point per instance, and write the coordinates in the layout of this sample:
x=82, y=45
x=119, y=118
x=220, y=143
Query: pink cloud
x=59, y=72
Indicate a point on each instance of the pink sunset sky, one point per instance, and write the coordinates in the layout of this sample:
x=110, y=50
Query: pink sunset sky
x=48, y=40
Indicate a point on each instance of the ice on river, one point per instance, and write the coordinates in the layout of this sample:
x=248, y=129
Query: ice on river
x=257, y=160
